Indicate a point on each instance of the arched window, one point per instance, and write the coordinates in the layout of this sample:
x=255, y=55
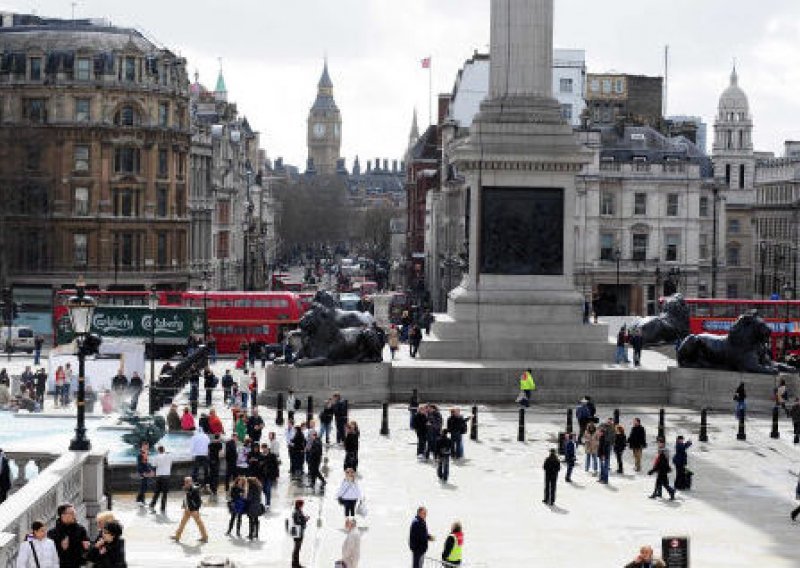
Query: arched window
x=127, y=116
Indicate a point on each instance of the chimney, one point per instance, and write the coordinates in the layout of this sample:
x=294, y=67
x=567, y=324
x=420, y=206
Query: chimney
x=394, y=166
x=369, y=166
x=385, y=165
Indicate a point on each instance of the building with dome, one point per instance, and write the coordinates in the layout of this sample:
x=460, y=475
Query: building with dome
x=94, y=144
x=324, y=129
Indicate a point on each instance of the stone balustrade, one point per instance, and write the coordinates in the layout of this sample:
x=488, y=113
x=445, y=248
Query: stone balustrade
x=74, y=477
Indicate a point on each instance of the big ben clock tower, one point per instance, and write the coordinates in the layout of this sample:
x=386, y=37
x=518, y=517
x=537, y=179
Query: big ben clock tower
x=324, y=127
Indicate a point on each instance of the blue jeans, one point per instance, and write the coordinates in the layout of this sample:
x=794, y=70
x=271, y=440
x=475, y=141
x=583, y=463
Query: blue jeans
x=605, y=462
x=621, y=355
x=325, y=432
x=267, y=492
x=593, y=459
x=244, y=399
x=37, y=355
x=444, y=467
x=458, y=446
x=432, y=438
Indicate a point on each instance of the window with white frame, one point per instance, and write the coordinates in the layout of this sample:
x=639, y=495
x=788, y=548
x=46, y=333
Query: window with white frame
x=671, y=244
x=82, y=201
x=704, y=206
x=565, y=85
x=607, y=246
x=639, y=246
x=80, y=249
x=81, y=158
x=607, y=203
x=703, y=246
x=640, y=204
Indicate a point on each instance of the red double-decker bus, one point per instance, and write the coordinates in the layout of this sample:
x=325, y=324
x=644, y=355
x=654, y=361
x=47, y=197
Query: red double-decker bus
x=717, y=316
x=240, y=317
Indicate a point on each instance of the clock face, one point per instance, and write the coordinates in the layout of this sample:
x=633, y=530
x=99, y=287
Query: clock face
x=319, y=130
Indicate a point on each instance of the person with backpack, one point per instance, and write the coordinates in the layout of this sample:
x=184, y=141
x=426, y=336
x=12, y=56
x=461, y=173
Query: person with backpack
x=453, y=545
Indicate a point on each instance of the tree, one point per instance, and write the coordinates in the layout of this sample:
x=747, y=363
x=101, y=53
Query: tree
x=312, y=210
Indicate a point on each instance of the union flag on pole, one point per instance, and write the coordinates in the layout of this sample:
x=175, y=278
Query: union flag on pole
x=426, y=63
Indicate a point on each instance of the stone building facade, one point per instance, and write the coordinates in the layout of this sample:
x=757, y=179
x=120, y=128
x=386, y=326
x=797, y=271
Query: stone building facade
x=94, y=147
x=636, y=99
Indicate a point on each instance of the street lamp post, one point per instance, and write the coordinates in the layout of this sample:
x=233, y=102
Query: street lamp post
x=617, y=256
x=152, y=303
x=206, y=277
x=763, y=250
x=81, y=309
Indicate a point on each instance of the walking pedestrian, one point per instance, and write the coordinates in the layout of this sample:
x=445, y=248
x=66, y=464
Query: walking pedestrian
x=434, y=429
x=255, y=425
x=255, y=508
x=209, y=384
x=681, y=460
x=37, y=350
x=297, y=449
x=349, y=493
x=198, y=448
x=457, y=426
x=794, y=414
x=620, y=441
x=291, y=402
x=299, y=520
x=351, y=547
x=551, y=468
x=314, y=461
x=394, y=340
x=444, y=448
x=340, y=416
x=215, y=450
x=145, y=471
x=453, y=545
x=414, y=340
x=162, y=462
x=237, y=505
x=192, y=502
x=231, y=455
x=325, y=421
x=570, y=451
x=621, y=354
x=526, y=387
x=269, y=473
x=419, y=422
x=591, y=440
x=637, y=441
x=244, y=389
x=662, y=468
x=351, y=442
x=636, y=344
x=227, y=386
x=419, y=537
x=37, y=551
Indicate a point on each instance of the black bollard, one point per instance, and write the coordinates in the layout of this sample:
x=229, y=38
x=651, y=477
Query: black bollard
x=616, y=416
x=473, y=428
x=385, y=420
x=741, y=434
x=775, y=433
x=279, y=410
x=569, y=421
x=661, y=425
x=310, y=409
x=521, y=432
x=704, y=425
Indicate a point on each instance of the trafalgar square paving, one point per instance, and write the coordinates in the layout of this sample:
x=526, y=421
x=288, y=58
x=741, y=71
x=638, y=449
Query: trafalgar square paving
x=737, y=513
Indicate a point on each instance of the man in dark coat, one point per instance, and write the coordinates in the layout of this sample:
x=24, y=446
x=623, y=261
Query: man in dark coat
x=681, y=460
x=420, y=425
x=794, y=414
x=214, y=456
x=419, y=537
x=570, y=448
x=41, y=386
x=551, y=468
x=5, y=477
x=314, y=459
x=662, y=468
x=135, y=388
x=70, y=537
x=340, y=416
x=637, y=441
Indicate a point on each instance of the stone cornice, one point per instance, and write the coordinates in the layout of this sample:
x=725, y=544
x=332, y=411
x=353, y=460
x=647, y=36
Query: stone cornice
x=520, y=165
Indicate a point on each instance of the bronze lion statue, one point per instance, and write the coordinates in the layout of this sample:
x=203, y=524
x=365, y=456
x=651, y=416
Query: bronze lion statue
x=669, y=326
x=330, y=336
x=745, y=349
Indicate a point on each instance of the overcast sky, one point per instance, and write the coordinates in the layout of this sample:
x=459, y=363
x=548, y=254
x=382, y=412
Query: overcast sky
x=272, y=53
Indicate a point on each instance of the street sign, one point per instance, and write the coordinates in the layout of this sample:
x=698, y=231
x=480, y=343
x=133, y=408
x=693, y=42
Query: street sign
x=675, y=551
x=172, y=325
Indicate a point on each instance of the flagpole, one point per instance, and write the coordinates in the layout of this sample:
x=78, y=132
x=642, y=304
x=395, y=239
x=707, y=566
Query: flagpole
x=430, y=90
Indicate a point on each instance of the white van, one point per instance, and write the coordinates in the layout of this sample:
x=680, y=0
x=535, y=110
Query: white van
x=22, y=338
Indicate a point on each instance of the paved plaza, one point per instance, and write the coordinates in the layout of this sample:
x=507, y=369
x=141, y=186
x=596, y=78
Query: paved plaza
x=737, y=513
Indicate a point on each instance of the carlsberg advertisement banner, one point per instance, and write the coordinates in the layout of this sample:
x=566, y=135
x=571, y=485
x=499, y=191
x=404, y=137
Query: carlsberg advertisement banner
x=172, y=325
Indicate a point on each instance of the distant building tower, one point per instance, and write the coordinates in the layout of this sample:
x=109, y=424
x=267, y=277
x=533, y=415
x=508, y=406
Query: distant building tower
x=220, y=91
x=324, y=127
x=733, y=144
x=414, y=134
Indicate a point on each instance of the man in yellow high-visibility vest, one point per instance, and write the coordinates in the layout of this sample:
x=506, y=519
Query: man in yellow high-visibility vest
x=527, y=386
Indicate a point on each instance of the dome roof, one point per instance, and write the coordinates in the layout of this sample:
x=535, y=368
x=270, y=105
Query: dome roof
x=734, y=98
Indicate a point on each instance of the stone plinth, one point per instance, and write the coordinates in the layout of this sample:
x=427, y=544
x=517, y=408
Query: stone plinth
x=360, y=384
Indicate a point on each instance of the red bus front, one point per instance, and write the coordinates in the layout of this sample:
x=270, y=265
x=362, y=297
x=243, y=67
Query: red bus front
x=240, y=317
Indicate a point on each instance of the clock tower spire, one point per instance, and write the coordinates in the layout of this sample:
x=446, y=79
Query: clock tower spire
x=324, y=127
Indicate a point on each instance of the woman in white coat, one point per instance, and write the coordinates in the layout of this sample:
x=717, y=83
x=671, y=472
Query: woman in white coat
x=37, y=547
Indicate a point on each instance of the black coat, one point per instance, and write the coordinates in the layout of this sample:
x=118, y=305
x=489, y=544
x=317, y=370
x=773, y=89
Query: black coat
x=551, y=466
x=637, y=438
x=661, y=465
x=418, y=536
x=5, y=474
x=230, y=453
x=113, y=557
x=73, y=556
x=269, y=467
x=420, y=423
x=351, y=442
x=315, y=454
